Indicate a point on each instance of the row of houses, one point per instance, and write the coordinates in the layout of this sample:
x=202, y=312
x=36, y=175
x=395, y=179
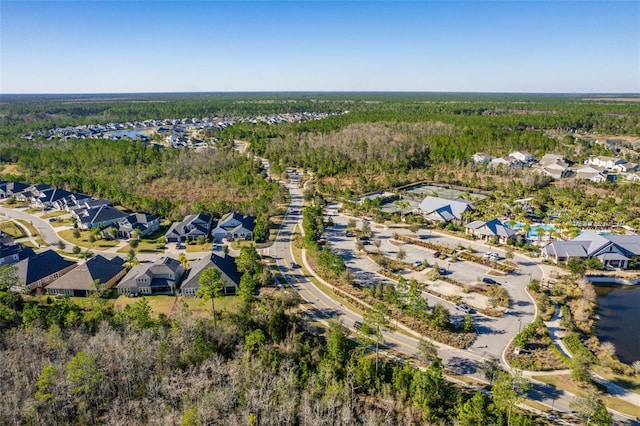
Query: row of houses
x=100, y=131
x=595, y=169
x=613, y=251
x=92, y=213
x=160, y=277
x=231, y=226
x=51, y=273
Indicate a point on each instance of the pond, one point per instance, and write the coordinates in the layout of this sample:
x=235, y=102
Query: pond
x=618, y=309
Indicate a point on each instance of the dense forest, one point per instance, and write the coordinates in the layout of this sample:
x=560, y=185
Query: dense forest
x=261, y=364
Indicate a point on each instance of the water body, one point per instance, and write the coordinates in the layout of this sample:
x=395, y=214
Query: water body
x=618, y=306
x=132, y=133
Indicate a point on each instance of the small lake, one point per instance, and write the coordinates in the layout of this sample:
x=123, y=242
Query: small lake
x=618, y=306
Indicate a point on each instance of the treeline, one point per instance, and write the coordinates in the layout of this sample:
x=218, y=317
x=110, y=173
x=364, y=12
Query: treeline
x=169, y=183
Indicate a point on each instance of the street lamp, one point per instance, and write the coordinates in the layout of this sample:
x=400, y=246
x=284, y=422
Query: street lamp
x=519, y=325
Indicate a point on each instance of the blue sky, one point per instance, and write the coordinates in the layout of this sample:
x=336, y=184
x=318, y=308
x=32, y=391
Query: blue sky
x=169, y=46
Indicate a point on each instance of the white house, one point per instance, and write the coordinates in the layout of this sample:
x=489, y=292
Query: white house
x=524, y=157
x=481, y=157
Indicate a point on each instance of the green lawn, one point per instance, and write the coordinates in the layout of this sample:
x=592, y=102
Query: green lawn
x=144, y=246
x=564, y=382
x=198, y=247
x=29, y=226
x=238, y=244
x=160, y=304
x=631, y=383
x=163, y=304
x=13, y=229
x=53, y=213
x=202, y=308
x=33, y=210
x=83, y=241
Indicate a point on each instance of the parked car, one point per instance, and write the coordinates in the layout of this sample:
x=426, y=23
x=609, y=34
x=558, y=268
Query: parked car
x=53, y=219
x=488, y=280
x=464, y=308
x=487, y=255
x=442, y=271
x=350, y=234
x=180, y=246
x=494, y=256
x=294, y=265
x=417, y=263
x=436, y=254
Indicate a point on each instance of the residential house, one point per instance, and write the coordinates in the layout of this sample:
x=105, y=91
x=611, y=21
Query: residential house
x=191, y=228
x=32, y=192
x=523, y=157
x=490, y=230
x=228, y=271
x=102, y=216
x=511, y=162
x=625, y=167
x=11, y=253
x=608, y=163
x=613, y=251
x=634, y=177
x=35, y=272
x=144, y=223
x=554, y=166
x=12, y=189
x=232, y=226
x=81, y=281
x=71, y=201
x=552, y=158
x=159, y=277
x=592, y=173
x=481, y=157
x=89, y=204
x=442, y=210
x=49, y=197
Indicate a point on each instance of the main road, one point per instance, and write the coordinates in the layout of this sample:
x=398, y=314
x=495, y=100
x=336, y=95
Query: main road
x=494, y=334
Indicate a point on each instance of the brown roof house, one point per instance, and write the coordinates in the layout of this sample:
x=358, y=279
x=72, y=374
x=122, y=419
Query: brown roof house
x=84, y=278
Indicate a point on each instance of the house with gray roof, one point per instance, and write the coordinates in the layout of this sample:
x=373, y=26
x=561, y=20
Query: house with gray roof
x=234, y=226
x=228, y=271
x=49, y=197
x=191, y=228
x=614, y=251
x=489, y=230
x=11, y=189
x=102, y=216
x=41, y=269
x=81, y=281
x=144, y=223
x=439, y=209
x=11, y=253
x=159, y=277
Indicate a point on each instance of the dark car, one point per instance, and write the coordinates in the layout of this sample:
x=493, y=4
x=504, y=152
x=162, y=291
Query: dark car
x=436, y=254
x=489, y=281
